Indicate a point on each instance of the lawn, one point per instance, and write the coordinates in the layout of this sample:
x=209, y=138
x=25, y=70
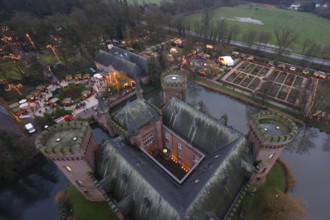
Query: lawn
x=275, y=181
x=86, y=210
x=72, y=91
x=11, y=71
x=307, y=25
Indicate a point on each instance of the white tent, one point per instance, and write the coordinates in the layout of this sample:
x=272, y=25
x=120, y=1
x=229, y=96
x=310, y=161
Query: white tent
x=22, y=101
x=98, y=75
x=226, y=60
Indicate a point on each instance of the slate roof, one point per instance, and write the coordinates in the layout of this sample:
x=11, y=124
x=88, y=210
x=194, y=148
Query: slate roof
x=196, y=127
x=140, y=61
x=212, y=187
x=135, y=115
x=118, y=63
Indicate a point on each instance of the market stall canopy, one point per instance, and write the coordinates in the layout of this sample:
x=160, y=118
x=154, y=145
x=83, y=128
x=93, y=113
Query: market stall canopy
x=14, y=105
x=86, y=76
x=41, y=87
x=53, y=100
x=67, y=100
x=22, y=101
x=15, y=109
x=78, y=76
x=24, y=105
x=98, y=75
x=68, y=77
x=85, y=92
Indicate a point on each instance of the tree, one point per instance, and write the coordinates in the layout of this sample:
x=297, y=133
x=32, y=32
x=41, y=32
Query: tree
x=233, y=31
x=206, y=21
x=325, y=53
x=313, y=50
x=250, y=37
x=306, y=44
x=285, y=37
x=222, y=28
x=263, y=38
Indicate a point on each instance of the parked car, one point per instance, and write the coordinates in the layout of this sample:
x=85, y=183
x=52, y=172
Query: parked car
x=30, y=128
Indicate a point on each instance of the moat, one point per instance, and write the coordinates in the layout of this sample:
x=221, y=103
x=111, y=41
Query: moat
x=308, y=156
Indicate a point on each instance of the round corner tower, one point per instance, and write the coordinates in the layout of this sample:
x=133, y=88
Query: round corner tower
x=269, y=133
x=71, y=147
x=174, y=83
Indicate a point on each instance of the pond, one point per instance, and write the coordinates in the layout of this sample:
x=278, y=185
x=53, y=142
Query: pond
x=32, y=195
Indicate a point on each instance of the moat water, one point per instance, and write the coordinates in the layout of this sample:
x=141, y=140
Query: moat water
x=32, y=196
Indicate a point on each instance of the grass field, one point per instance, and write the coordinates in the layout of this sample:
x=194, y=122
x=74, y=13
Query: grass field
x=86, y=210
x=11, y=71
x=307, y=25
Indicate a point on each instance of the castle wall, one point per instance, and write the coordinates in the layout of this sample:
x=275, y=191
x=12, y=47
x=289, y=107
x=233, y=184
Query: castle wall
x=169, y=92
x=77, y=172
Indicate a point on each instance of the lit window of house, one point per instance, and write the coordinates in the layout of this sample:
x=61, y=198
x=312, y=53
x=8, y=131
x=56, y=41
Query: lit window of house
x=179, y=146
x=68, y=168
x=148, y=140
x=270, y=156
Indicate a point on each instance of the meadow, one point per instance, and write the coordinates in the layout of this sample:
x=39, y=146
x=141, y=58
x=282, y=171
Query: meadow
x=249, y=16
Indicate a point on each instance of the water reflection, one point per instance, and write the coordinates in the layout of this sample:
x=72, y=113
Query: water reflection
x=310, y=170
x=35, y=188
x=304, y=141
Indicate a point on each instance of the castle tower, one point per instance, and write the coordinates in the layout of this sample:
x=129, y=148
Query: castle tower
x=141, y=123
x=174, y=83
x=269, y=133
x=71, y=146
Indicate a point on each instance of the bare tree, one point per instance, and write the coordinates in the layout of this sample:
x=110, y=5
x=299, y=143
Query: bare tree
x=233, y=31
x=285, y=37
x=206, y=21
x=222, y=28
x=325, y=53
x=313, y=50
x=249, y=37
x=306, y=44
x=263, y=38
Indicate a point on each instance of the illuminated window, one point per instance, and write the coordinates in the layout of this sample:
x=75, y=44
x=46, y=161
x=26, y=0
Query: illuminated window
x=68, y=168
x=179, y=146
x=148, y=140
x=270, y=156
